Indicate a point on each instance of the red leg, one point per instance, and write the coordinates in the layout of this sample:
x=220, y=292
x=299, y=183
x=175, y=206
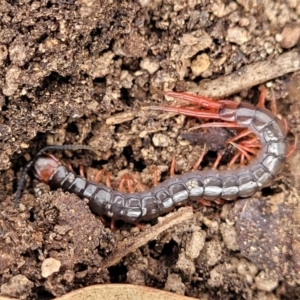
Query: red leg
x=216, y=124
x=155, y=176
x=240, y=135
x=99, y=175
x=253, y=143
x=129, y=184
x=233, y=160
x=273, y=104
x=136, y=181
x=188, y=112
x=292, y=148
x=248, y=149
x=262, y=97
x=172, y=168
x=81, y=171
x=70, y=168
x=220, y=201
x=107, y=180
x=198, y=162
x=220, y=155
x=286, y=125
x=122, y=184
x=242, y=160
x=201, y=101
x=205, y=202
x=242, y=150
x=112, y=225
x=140, y=226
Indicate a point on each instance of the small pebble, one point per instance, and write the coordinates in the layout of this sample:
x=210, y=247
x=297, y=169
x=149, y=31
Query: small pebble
x=229, y=237
x=195, y=244
x=213, y=252
x=290, y=35
x=174, y=284
x=200, y=64
x=185, y=265
x=149, y=64
x=18, y=287
x=50, y=266
x=216, y=279
x=238, y=35
x=265, y=283
x=247, y=269
x=160, y=140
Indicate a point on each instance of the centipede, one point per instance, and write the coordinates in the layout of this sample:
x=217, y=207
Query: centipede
x=210, y=185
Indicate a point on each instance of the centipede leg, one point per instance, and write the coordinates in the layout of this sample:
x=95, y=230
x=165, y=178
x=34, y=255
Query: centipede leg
x=155, y=175
x=262, y=99
x=262, y=96
x=292, y=148
x=113, y=225
x=220, y=201
x=233, y=160
x=99, y=175
x=172, y=167
x=69, y=166
x=200, y=159
x=81, y=171
x=240, y=135
x=205, y=202
x=122, y=184
x=136, y=181
x=217, y=161
x=108, y=179
x=198, y=100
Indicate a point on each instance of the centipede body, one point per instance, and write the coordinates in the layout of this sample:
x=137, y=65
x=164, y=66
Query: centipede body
x=191, y=186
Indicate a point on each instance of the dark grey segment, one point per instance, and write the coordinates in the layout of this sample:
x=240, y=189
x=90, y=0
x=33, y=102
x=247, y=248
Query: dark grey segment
x=117, y=204
x=212, y=188
x=261, y=119
x=100, y=202
x=78, y=186
x=58, y=177
x=195, y=188
x=68, y=181
x=179, y=193
x=165, y=201
x=230, y=189
x=273, y=164
x=244, y=114
x=277, y=148
x=150, y=208
x=261, y=175
x=273, y=131
x=131, y=212
x=89, y=190
x=228, y=114
x=247, y=185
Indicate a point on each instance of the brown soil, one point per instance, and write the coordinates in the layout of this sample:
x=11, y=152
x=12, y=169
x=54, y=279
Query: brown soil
x=78, y=72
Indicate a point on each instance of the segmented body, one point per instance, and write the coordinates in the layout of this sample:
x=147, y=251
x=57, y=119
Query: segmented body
x=210, y=185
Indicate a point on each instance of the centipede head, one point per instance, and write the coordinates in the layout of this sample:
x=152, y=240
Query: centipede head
x=45, y=166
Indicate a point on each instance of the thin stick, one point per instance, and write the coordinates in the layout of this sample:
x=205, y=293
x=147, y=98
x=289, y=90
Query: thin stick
x=131, y=244
x=249, y=76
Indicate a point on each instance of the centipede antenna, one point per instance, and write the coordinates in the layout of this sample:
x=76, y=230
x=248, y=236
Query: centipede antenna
x=21, y=182
x=65, y=147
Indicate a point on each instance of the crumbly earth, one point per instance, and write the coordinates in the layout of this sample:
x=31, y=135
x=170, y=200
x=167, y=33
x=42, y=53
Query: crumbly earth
x=79, y=72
